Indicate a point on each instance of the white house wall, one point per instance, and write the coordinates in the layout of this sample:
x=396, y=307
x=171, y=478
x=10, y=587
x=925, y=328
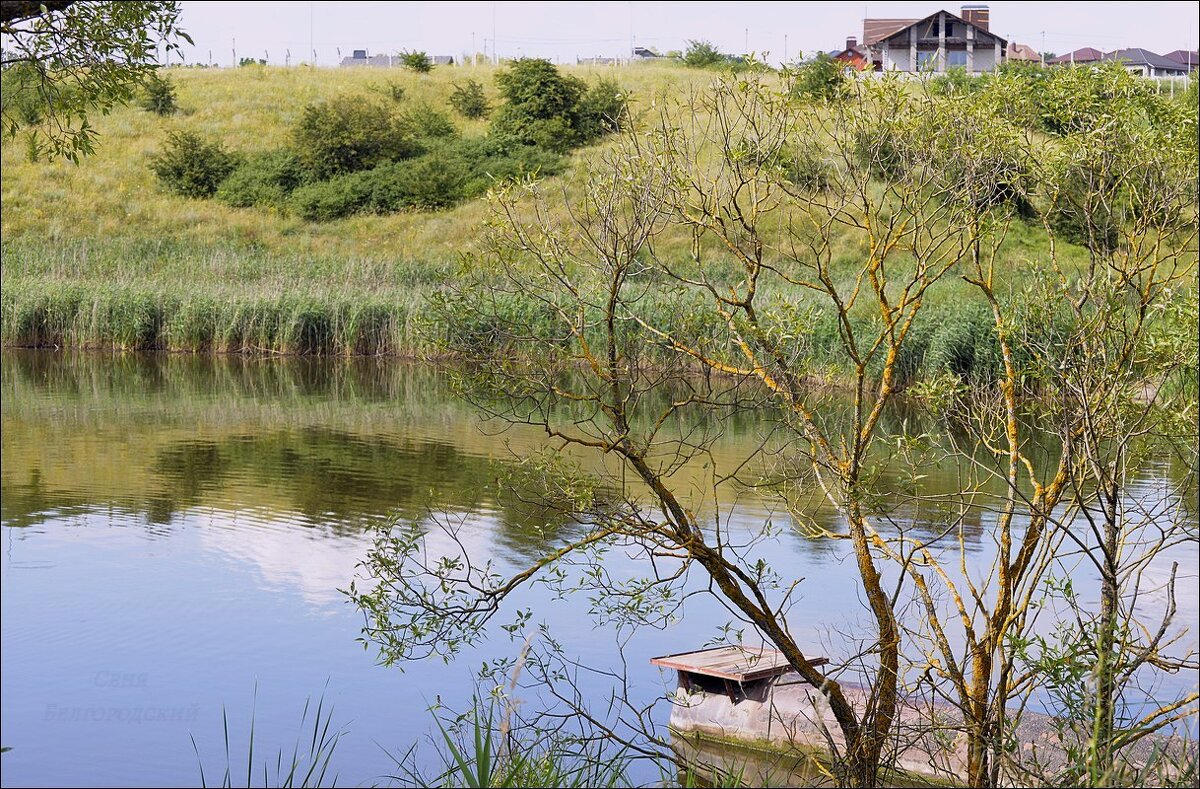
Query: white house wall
x=985, y=58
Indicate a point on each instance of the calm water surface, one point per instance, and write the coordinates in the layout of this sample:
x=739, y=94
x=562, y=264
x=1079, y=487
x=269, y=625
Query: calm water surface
x=176, y=532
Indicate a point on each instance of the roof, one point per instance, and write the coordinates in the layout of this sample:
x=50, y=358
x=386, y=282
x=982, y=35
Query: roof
x=1142, y=57
x=1022, y=52
x=1184, y=56
x=1084, y=55
x=878, y=29
x=737, y=663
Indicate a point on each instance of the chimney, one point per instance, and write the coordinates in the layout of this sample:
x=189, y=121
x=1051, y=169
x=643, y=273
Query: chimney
x=851, y=42
x=976, y=15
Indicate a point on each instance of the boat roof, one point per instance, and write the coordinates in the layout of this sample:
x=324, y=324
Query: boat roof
x=733, y=662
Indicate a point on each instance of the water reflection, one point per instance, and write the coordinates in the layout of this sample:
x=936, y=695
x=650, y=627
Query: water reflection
x=199, y=514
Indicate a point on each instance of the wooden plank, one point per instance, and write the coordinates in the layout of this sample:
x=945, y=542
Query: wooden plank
x=733, y=662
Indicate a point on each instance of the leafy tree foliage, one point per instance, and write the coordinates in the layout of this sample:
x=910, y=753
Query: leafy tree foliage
x=821, y=79
x=469, y=100
x=703, y=54
x=158, y=96
x=551, y=110
x=419, y=62
x=76, y=59
x=191, y=166
x=346, y=134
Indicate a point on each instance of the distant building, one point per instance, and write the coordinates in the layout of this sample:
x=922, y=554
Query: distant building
x=595, y=61
x=1148, y=64
x=1084, y=55
x=360, y=58
x=641, y=53
x=1023, y=52
x=1189, y=59
x=853, y=55
x=938, y=42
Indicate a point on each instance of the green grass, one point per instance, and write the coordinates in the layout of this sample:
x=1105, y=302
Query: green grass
x=99, y=255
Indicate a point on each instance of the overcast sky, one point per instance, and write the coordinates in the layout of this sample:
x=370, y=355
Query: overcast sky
x=564, y=31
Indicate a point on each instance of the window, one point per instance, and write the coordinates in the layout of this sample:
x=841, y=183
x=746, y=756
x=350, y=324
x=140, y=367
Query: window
x=949, y=29
x=927, y=61
x=956, y=57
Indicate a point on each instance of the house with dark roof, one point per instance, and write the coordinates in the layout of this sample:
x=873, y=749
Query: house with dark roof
x=1084, y=55
x=936, y=43
x=1148, y=64
x=1188, y=58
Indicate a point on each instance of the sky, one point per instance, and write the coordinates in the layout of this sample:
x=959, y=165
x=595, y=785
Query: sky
x=563, y=31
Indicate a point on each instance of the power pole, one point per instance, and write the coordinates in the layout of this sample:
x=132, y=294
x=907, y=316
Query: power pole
x=746, y=43
x=287, y=58
x=235, y=53
x=785, y=60
x=1043, y=47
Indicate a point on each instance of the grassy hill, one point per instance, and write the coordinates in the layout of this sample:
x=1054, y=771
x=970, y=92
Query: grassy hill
x=106, y=232
x=101, y=255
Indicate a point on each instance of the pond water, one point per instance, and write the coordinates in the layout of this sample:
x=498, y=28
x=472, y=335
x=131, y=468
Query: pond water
x=177, y=530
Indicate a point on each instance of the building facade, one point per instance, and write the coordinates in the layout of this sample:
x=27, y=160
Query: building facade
x=935, y=44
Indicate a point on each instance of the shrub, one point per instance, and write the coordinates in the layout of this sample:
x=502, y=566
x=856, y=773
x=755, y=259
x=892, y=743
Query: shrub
x=333, y=199
x=541, y=104
x=822, y=79
x=434, y=180
x=263, y=179
x=158, y=95
x=493, y=160
x=451, y=171
x=703, y=54
x=469, y=100
x=191, y=166
x=390, y=90
x=424, y=121
x=806, y=169
x=601, y=110
x=21, y=102
x=346, y=134
x=955, y=82
x=417, y=61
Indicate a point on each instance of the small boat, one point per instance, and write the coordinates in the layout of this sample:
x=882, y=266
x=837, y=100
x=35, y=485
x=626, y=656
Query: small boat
x=742, y=710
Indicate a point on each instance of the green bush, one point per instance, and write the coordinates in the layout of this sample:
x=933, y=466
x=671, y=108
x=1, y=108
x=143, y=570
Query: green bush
x=493, y=160
x=601, y=110
x=955, y=82
x=417, y=61
x=21, y=100
x=806, y=169
x=541, y=104
x=469, y=100
x=191, y=166
x=432, y=181
x=158, y=95
x=425, y=122
x=703, y=54
x=263, y=179
x=335, y=198
x=347, y=134
x=822, y=79
x=451, y=171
